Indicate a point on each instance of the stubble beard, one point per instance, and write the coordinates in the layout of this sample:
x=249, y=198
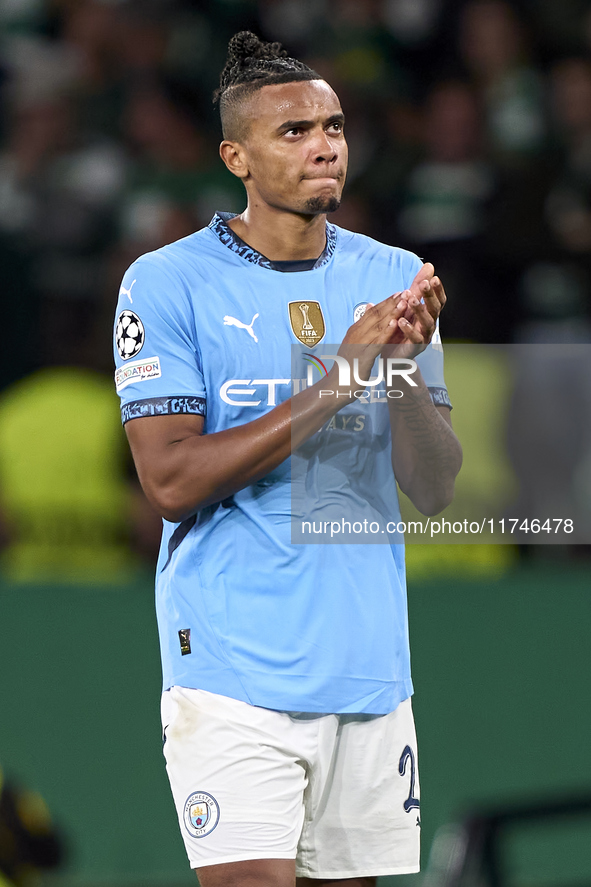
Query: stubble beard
x=317, y=205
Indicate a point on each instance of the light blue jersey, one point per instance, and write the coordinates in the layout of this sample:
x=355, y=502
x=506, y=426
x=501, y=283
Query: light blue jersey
x=205, y=326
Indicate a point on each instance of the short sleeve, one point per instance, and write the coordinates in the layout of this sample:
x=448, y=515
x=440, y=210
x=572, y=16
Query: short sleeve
x=430, y=360
x=430, y=363
x=158, y=363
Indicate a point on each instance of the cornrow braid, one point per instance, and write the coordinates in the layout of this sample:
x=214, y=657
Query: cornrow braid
x=251, y=64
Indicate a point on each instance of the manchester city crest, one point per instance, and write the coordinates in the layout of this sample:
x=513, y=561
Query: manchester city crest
x=201, y=814
x=307, y=321
x=359, y=310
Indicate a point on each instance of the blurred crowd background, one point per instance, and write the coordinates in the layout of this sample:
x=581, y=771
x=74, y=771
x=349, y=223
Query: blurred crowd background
x=469, y=125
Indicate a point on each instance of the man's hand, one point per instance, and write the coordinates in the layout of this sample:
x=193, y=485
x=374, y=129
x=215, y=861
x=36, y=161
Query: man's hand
x=425, y=300
x=365, y=339
x=400, y=326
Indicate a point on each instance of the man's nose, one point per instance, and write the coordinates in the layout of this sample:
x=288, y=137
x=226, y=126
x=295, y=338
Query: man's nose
x=325, y=149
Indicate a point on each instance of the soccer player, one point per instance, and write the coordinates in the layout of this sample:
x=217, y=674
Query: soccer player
x=289, y=736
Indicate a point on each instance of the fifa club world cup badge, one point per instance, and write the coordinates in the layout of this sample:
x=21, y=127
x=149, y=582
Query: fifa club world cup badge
x=201, y=814
x=307, y=322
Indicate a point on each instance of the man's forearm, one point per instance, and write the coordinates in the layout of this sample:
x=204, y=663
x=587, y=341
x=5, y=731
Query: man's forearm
x=182, y=470
x=426, y=454
x=187, y=470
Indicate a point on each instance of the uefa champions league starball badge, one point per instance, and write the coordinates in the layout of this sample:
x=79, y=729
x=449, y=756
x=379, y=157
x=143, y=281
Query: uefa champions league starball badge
x=129, y=334
x=201, y=814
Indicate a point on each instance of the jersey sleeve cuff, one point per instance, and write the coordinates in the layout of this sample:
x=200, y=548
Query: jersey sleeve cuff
x=440, y=397
x=162, y=406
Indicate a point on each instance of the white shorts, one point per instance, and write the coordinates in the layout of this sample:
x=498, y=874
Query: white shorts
x=337, y=793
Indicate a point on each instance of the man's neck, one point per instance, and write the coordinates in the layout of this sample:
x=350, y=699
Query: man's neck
x=281, y=236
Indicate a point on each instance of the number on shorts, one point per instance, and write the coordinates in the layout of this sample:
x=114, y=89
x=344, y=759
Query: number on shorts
x=408, y=755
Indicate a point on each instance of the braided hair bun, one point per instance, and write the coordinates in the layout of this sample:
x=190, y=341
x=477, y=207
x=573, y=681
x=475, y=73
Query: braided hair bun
x=253, y=61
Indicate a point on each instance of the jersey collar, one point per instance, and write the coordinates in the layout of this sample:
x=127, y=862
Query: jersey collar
x=219, y=225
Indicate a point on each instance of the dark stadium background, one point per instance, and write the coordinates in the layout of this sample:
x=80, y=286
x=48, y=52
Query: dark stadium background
x=469, y=125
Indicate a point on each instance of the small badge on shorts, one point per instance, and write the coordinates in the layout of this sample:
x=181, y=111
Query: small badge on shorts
x=185, y=639
x=201, y=814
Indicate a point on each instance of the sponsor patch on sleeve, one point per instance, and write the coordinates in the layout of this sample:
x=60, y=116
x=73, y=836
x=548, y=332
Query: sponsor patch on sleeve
x=138, y=371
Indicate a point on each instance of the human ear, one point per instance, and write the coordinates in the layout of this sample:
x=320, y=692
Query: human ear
x=233, y=155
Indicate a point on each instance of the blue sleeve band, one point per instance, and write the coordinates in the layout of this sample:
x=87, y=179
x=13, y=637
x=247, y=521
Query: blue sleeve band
x=440, y=397
x=162, y=406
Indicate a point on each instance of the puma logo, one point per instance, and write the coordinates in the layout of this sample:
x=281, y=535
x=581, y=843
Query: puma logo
x=231, y=321
x=124, y=292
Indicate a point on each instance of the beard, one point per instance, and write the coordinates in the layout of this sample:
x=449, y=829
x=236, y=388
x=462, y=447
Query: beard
x=316, y=205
